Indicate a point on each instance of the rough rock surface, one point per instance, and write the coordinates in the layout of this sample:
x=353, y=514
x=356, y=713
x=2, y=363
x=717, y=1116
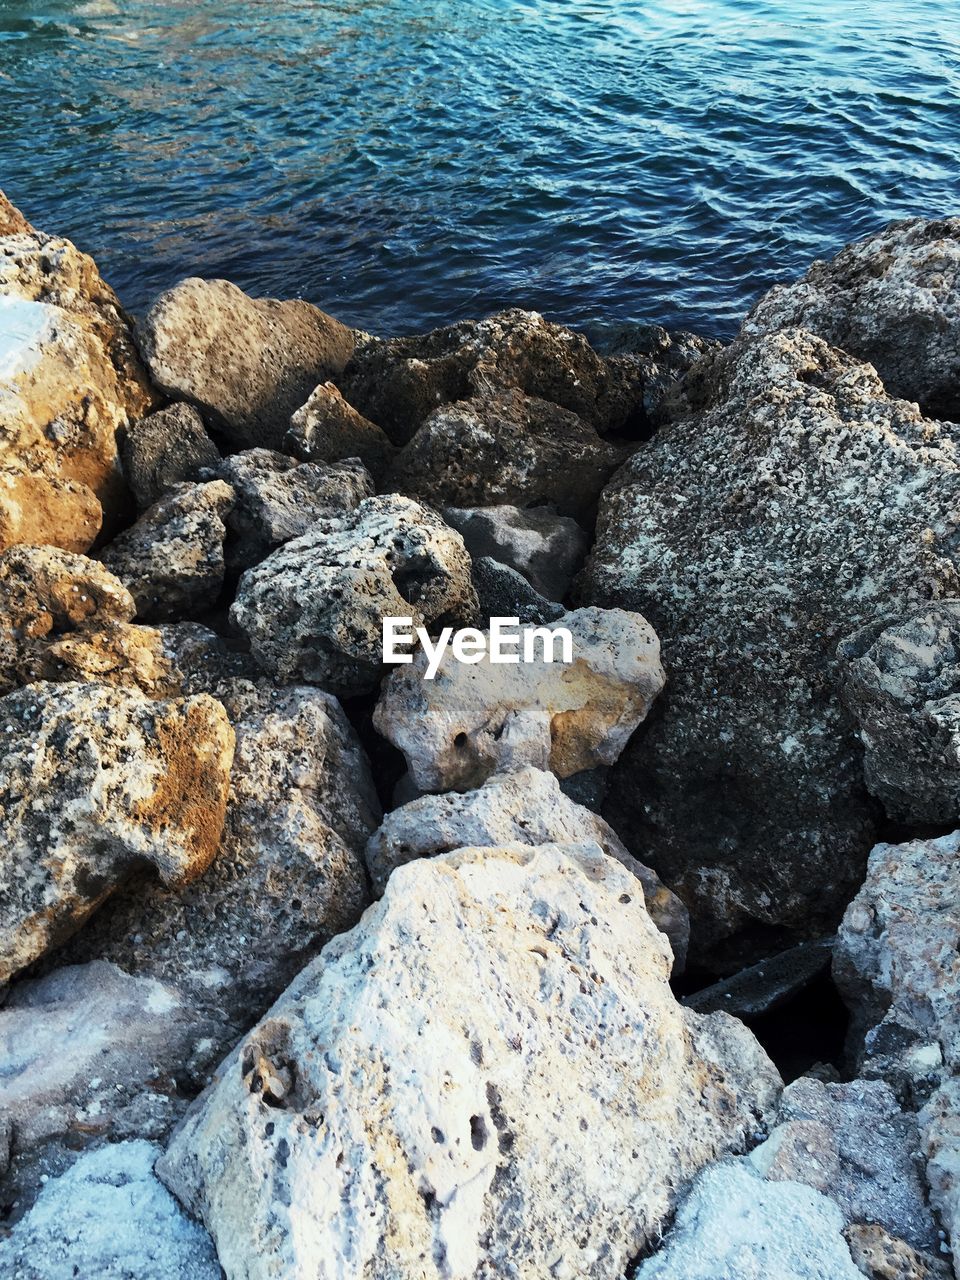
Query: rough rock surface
x=377, y=1123
x=70, y=378
x=247, y=364
x=313, y=609
x=902, y=684
x=755, y=536
x=91, y=1054
x=940, y=1128
x=95, y=782
x=109, y=1218
x=327, y=429
x=474, y=720
x=172, y=559
x=897, y=964
x=892, y=299
x=397, y=382
x=288, y=875
x=658, y=359
x=882, y=1256
x=165, y=448
x=526, y=807
x=507, y=448
x=277, y=499
x=763, y=987
x=546, y=548
x=504, y=593
x=733, y=1226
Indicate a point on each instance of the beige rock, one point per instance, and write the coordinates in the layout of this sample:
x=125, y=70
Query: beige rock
x=882, y=1256
x=327, y=429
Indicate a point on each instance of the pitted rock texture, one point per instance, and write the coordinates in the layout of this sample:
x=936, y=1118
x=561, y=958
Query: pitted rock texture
x=165, y=448
x=109, y=1217
x=70, y=378
x=756, y=536
x=897, y=964
x=92, y=1054
x=96, y=782
x=658, y=360
x=172, y=559
x=526, y=807
x=507, y=448
x=940, y=1129
x=247, y=364
x=543, y=1124
x=892, y=299
x=881, y=1256
x=902, y=684
x=277, y=499
x=327, y=429
x=288, y=876
x=473, y=720
x=502, y=592
x=313, y=609
x=546, y=548
x=398, y=382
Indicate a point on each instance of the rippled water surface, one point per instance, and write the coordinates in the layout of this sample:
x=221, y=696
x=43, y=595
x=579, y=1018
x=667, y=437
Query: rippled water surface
x=409, y=162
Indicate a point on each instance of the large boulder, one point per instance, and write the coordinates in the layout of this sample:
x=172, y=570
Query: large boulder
x=246, y=363
x=163, y=449
x=398, y=382
x=70, y=378
x=475, y=719
x=313, y=610
x=526, y=807
x=172, y=560
x=507, y=448
x=892, y=299
x=96, y=782
x=502, y=592
x=288, y=876
x=378, y=1124
x=327, y=429
x=548, y=549
x=799, y=505
x=902, y=684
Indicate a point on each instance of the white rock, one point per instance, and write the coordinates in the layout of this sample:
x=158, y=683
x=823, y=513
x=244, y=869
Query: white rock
x=489, y=1076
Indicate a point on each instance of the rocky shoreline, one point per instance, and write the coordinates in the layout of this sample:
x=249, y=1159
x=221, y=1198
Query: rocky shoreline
x=316, y=968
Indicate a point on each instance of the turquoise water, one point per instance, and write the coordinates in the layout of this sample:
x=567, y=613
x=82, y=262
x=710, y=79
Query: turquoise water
x=409, y=162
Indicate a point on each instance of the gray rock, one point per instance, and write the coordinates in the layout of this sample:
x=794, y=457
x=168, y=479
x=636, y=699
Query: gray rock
x=892, y=299
x=526, y=807
x=166, y=448
x=398, y=382
x=902, y=684
x=940, y=1128
x=541, y=1113
x=763, y=987
x=96, y=782
x=659, y=360
x=277, y=499
x=504, y=593
x=327, y=429
x=799, y=505
x=545, y=548
x=507, y=448
x=313, y=609
x=247, y=364
x=172, y=560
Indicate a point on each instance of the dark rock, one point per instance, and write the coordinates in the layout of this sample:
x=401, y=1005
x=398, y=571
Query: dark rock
x=546, y=548
x=765, y=986
x=166, y=448
x=504, y=593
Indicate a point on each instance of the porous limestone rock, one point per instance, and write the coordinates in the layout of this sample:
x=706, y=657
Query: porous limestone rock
x=277, y=499
x=526, y=807
x=507, y=448
x=70, y=378
x=546, y=548
x=475, y=719
x=897, y=964
x=535, y=1117
x=205, y=662
x=313, y=609
x=902, y=684
x=165, y=448
x=288, y=875
x=172, y=559
x=327, y=429
x=92, y=1054
x=734, y=1226
x=799, y=505
x=504, y=593
x=940, y=1129
x=110, y=1218
x=95, y=782
x=397, y=382
x=881, y=1256
x=246, y=363
x=892, y=299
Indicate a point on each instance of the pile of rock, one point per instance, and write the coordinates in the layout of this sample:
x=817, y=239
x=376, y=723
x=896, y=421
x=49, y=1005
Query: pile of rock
x=442, y=1042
